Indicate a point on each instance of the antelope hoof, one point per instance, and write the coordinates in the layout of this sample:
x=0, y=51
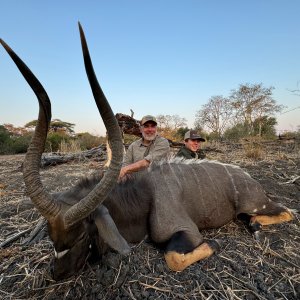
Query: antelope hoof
x=179, y=261
x=284, y=216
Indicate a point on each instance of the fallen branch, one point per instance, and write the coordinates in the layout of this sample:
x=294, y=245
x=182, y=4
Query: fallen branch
x=50, y=159
x=36, y=234
x=13, y=238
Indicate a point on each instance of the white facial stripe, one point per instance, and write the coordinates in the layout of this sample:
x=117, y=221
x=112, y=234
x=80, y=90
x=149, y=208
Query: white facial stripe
x=59, y=255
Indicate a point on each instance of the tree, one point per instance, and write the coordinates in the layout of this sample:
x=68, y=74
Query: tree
x=181, y=132
x=253, y=102
x=236, y=132
x=215, y=115
x=56, y=125
x=169, y=124
x=15, y=131
x=265, y=126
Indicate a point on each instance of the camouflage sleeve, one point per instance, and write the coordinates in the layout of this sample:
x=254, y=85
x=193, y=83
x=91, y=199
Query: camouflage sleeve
x=160, y=150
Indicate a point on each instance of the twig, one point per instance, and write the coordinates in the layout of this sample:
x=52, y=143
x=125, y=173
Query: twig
x=41, y=223
x=292, y=180
x=13, y=237
x=148, y=286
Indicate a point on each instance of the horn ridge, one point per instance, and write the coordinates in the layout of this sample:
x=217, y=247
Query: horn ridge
x=83, y=208
x=34, y=187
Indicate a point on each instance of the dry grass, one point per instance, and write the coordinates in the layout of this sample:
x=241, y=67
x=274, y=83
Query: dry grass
x=244, y=269
x=73, y=146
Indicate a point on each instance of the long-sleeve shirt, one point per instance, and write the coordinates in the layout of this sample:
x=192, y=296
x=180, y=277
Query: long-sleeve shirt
x=158, y=149
x=189, y=154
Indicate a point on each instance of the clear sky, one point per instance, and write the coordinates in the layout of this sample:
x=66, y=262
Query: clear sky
x=154, y=57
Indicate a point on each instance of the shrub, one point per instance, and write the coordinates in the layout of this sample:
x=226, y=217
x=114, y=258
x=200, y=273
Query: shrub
x=54, y=140
x=13, y=144
x=71, y=146
x=5, y=141
x=88, y=141
x=254, y=151
x=236, y=132
x=20, y=144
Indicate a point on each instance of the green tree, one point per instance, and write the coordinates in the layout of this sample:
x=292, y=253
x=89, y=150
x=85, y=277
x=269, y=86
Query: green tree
x=265, y=127
x=56, y=125
x=181, y=132
x=236, y=132
x=253, y=102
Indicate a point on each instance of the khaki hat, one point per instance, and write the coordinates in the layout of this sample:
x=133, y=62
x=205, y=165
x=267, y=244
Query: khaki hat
x=148, y=118
x=193, y=135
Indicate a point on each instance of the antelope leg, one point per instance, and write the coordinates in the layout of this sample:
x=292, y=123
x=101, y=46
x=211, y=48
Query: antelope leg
x=284, y=216
x=181, y=251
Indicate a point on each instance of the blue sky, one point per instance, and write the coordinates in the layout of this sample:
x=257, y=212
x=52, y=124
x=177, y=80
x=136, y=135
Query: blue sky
x=154, y=57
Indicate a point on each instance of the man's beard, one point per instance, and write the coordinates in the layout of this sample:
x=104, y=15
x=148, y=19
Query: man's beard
x=149, y=137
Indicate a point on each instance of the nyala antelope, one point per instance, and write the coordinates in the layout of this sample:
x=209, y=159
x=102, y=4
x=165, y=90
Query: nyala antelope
x=170, y=202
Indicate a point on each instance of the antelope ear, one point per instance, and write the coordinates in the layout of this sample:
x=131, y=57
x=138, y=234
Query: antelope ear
x=109, y=232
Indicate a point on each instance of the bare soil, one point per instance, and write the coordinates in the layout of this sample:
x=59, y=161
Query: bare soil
x=244, y=269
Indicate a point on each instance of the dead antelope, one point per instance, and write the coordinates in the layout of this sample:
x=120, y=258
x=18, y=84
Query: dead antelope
x=171, y=202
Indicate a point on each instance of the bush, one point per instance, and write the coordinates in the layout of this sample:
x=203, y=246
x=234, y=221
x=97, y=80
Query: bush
x=20, y=144
x=254, y=151
x=12, y=144
x=236, y=132
x=54, y=140
x=5, y=141
x=72, y=146
x=88, y=141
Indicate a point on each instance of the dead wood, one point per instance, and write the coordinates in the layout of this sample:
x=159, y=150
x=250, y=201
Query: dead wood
x=55, y=158
x=13, y=237
x=36, y=234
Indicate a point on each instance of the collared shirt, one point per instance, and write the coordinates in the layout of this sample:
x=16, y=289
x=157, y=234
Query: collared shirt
x=158, y=149
x=189, y=154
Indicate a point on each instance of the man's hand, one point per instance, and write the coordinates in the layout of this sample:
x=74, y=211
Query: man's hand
x=137, y=166
x=123, y=173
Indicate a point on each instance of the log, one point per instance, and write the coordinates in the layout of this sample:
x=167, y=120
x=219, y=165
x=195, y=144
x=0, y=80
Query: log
x=55, y=158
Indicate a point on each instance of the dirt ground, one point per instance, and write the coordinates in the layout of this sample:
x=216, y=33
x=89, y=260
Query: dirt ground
x=244, y=269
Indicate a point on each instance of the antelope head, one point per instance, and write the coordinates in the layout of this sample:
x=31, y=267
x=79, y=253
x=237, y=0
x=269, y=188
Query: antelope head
x=68, y=224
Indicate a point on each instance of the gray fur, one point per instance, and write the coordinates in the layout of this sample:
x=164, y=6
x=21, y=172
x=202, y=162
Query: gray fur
x=179, y=195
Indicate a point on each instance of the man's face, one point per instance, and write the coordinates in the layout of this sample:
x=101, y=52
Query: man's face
x=193, y=145
x=149, y=131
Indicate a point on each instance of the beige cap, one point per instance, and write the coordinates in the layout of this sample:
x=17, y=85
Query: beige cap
x=148, y=118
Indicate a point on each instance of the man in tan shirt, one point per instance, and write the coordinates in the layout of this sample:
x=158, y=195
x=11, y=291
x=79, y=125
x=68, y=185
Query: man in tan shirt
x=141, y=153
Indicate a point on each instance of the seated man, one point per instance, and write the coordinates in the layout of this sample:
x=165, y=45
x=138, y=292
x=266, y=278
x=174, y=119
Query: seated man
x=141, y=153
x=191, y=148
